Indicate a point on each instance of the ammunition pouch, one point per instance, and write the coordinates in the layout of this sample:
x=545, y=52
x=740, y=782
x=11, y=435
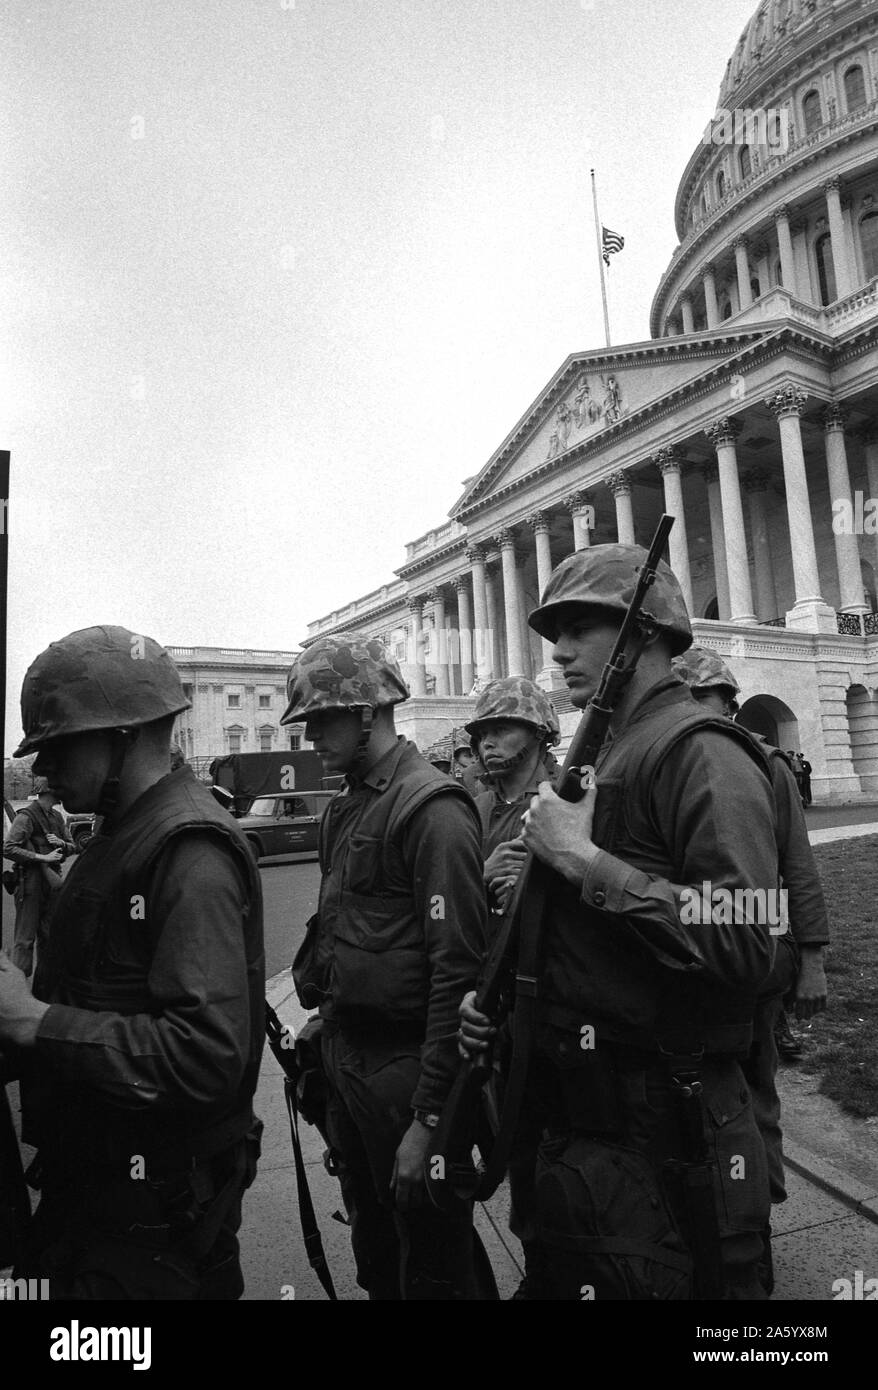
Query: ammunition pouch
x=607, y=1224
x=10, y=879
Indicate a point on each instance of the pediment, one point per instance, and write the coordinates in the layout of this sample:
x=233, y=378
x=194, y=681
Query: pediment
x=592, y=394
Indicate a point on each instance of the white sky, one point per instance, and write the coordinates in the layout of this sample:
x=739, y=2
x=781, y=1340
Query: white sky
x=249, y=355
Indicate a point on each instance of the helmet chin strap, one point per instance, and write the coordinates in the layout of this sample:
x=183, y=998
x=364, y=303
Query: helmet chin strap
x=121, y=741
x=501, y=769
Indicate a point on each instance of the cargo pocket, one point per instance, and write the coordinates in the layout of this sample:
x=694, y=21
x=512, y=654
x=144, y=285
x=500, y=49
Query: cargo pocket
x=379, y=969
x=311, y=966
x=741, y=1184
x=607, y=1225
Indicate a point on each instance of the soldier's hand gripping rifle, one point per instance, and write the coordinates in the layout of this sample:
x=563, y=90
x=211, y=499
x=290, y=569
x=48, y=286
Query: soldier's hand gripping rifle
x=450, y=1174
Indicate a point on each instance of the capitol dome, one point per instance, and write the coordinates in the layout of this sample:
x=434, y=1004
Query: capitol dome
x=775, y=193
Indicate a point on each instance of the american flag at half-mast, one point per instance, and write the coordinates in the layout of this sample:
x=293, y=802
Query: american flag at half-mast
x=611, y=242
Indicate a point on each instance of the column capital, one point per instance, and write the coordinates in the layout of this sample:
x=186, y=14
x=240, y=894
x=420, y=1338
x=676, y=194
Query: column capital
x=786, y=400
x=538, y=521
x=619, y=484
x=437, y=594
x=505, y=538
x=461, y=583
x=415, y=604
x=685, y=298
x=740, y=241
x=724, y=431
x=782, y=214
x=756, y=480
x=710, y=472
x=832, y=185
x=834, y=417
x=476, y=554
x=708, y=271
x=669, y=460
x=575, y=501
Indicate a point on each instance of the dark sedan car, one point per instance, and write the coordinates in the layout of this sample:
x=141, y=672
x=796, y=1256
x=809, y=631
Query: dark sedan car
x=285, y=824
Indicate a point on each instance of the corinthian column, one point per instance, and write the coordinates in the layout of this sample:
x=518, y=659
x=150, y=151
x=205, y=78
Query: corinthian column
x=756, y=487
x=437, y=597
x=708, y=281
x=722, y=436
x=514, y=649
x=785, y=245
x=669, y=462
x=483, y=638
x=620, y=486
x=539, y=524
x=578, y=505
x=847, y=549
x=742, y=265
x=810, y=613
x=465, y=633
x=417, y=675
x=710, y=473
x=844, y=282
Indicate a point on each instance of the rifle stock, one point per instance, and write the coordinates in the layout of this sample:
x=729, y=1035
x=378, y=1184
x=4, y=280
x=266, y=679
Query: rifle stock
x=450, y=1175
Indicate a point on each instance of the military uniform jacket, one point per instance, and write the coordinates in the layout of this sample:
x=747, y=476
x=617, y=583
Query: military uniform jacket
x=684, y=801
x=400, y=929
x=155, y=978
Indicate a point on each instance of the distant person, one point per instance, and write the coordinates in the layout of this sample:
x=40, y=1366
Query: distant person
x=37, y=844
x=806, y=781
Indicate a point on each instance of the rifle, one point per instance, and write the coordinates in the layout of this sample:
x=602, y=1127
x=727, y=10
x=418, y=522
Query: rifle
x=450, y=1175
x=285, y=1048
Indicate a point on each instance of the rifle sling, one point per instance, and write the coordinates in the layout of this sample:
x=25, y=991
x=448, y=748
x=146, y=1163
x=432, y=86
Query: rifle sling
x=523, y=1026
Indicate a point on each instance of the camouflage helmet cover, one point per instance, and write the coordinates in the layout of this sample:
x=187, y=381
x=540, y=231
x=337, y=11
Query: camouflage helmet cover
x=515, y=697
x=703, y=669
x=604, y=576
x=350, y=671
x=97, y=678
x=461, y=741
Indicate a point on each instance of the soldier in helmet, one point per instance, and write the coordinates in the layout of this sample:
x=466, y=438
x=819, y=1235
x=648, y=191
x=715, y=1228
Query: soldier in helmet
x=399, y=932
x=637, y=989
x=512, y=730
x=798, y=968
x=140, y=1045
x=37, y=844
x=462, y=756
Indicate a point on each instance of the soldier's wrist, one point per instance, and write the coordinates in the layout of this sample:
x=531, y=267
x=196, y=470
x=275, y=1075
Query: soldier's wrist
x=428, y=1118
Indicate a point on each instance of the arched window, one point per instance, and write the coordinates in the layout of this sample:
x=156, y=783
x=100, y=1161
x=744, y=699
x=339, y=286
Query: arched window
x=869, y=244
x=711, y=612
x=812, y=115
x=825, y=268
x=720, y=186
x=754, y=288
x=745, y=161
x=726, y=308
x=777, y=274
x=854, y=88
x=704, y=205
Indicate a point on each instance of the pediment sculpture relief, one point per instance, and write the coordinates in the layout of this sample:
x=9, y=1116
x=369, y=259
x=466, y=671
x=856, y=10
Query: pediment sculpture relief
x=595, y=402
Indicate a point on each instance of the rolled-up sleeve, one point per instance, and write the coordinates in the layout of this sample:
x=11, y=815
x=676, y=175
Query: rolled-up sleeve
x=714, y=807
x=192, y=1046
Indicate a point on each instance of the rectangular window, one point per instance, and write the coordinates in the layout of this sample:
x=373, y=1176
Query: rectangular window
x=265, y=743
x=295, y=743
x=234, y=743
x=234, y=701
x=265, y=702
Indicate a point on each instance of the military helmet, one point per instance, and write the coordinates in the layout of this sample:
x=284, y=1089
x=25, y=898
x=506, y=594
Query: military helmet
x=460, y=741
x=604, y=577
x=349, y=671
x=97, y=678
x=514, y=697
x=703, y=669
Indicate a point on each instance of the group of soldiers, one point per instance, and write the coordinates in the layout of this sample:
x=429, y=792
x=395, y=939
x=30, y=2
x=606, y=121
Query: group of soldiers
x=138, y=1047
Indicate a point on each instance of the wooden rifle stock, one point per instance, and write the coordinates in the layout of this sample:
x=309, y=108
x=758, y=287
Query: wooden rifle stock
x=450, y=1174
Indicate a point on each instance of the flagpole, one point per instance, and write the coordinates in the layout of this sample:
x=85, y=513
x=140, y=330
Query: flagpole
x=597, y=232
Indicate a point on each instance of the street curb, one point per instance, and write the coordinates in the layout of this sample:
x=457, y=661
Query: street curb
x=279, y=988
x=856, y=1195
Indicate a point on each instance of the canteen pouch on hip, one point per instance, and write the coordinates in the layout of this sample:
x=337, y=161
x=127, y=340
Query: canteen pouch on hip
x=311, y=967
x=607, y=1225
